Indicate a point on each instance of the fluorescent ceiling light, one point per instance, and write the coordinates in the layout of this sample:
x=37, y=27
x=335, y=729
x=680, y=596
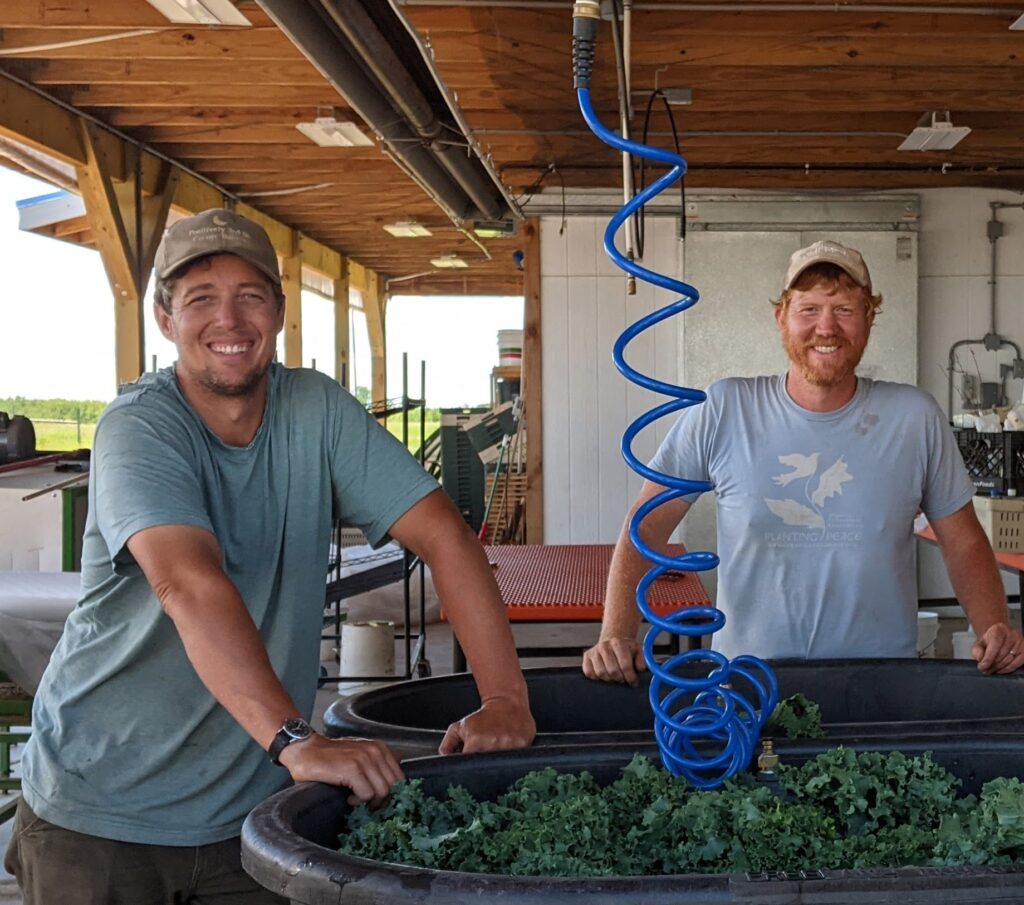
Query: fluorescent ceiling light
x=494, y=229
x=329, y=132
x=202, y=12
x=1018, y=24
x=935, y=132
x=407, y=229
x=448, y=261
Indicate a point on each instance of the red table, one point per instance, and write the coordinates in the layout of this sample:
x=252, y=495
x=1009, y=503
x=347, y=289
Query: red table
x=566, y=583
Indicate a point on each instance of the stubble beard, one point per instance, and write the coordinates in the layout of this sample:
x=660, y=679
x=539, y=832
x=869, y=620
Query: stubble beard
x=828, y=373
x=247, y=386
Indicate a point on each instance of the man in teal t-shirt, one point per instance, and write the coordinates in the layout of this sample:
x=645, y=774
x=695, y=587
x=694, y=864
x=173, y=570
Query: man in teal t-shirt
x=178, y=696
x=817, y=476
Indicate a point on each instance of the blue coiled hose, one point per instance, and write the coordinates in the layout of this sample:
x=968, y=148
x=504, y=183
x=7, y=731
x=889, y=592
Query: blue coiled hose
x=687, y=708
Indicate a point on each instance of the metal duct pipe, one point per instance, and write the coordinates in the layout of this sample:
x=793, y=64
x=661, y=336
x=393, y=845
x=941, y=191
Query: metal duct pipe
x=313, y=33
x=405, y=96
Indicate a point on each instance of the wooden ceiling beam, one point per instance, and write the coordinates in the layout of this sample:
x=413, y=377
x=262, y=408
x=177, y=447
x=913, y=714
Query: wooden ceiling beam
x=205, y=117
x=254, y=45
x=944, y=75
x=508, y=30
x=810, y=99
x=217, y=133
x=217, y=94
x=29, y=118
x=97, y=14
x=799, y=179
x=103, y=71
x=690, y=121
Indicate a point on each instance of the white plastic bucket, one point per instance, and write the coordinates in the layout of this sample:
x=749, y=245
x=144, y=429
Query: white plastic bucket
x=510, y=348
x=927, y=632
x=367, y=649
x=962, y=644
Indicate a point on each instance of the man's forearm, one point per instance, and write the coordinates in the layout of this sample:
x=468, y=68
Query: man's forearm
x=230, y=658
x=464, y=582
x=621, y=617
x=976, y=582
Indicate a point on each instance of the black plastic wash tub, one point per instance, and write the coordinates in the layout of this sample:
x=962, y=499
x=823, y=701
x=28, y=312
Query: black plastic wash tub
x=289, y=844
x=857, y=697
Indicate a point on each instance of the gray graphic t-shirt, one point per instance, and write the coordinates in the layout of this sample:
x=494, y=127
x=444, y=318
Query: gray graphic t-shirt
x=816, y=511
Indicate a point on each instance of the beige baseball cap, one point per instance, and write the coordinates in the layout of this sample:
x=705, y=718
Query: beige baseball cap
x=212, y=232
x=826, y=251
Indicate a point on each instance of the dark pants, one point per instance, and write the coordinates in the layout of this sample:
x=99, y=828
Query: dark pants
x=55, y=865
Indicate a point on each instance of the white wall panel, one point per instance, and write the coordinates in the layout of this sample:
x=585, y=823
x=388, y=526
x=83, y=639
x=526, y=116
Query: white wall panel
x=587, y=485
x=611, y=488
x=584, y=427
x=955, y=304
x=554, y=292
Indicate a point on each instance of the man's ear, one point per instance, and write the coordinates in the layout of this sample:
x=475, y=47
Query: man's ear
x=163, y=321
x=779, y=309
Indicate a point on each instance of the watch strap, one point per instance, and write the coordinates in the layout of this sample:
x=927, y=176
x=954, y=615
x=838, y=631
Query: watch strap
x=284, y=738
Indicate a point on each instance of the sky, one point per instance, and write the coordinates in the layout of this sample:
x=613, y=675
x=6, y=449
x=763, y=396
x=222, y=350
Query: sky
x=57, y=325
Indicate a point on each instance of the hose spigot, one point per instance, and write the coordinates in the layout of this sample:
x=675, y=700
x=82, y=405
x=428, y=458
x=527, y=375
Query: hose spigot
x=767, y=760
x=586, y=17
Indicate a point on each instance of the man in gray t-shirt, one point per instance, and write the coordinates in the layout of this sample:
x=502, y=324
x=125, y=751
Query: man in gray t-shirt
x=817, y=475
x=178, y=696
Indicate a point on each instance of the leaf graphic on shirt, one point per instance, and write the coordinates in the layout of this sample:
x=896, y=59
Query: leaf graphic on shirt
x=831, y=483
x=794, y=513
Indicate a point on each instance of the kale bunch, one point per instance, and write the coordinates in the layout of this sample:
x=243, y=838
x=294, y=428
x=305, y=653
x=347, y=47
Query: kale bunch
x=797, y=716
x=842, y=809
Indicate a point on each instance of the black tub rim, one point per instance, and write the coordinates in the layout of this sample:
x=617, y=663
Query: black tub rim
x=309, y=865
x=344, y=717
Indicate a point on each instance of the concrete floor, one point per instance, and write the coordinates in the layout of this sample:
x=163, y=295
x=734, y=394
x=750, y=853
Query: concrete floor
x=439, y=654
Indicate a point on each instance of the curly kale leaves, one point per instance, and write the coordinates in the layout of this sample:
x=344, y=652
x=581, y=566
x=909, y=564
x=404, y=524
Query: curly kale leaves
x=797, y=716
x=840, y=810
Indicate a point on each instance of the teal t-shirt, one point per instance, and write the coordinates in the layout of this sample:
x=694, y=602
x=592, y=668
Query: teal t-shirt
x=127, y=742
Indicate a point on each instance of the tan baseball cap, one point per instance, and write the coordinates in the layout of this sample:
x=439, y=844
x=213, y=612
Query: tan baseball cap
x=212, y=232
x=826, y=251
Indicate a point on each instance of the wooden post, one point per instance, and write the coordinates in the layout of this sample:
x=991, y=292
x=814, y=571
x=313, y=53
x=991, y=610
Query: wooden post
x=291, y=283
x=342, y=340
x=127, y=226
x=375, y=304
x=531, y=384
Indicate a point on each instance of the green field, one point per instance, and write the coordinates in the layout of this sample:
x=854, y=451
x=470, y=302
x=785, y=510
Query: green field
x=60, y=434
x=395, y=427
x=61, y=437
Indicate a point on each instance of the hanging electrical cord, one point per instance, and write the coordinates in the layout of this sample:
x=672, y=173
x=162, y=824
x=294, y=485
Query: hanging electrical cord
x=641, y=223
x=528, y=194
x=687, y=710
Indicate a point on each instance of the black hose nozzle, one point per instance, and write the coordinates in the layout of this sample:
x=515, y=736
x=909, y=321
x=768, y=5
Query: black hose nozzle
x=586, y=17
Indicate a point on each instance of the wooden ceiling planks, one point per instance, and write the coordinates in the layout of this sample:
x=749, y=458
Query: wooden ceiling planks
x=812, y=99
x=755, y=75
x=225, y=101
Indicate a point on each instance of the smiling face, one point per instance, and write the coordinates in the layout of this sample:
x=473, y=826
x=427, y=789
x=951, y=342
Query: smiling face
x=825, y=329
x=224, y=320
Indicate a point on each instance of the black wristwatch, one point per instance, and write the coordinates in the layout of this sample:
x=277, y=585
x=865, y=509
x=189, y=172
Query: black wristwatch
x=294, y=730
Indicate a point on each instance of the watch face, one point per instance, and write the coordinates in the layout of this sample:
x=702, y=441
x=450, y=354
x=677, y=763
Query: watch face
x=297, y=728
